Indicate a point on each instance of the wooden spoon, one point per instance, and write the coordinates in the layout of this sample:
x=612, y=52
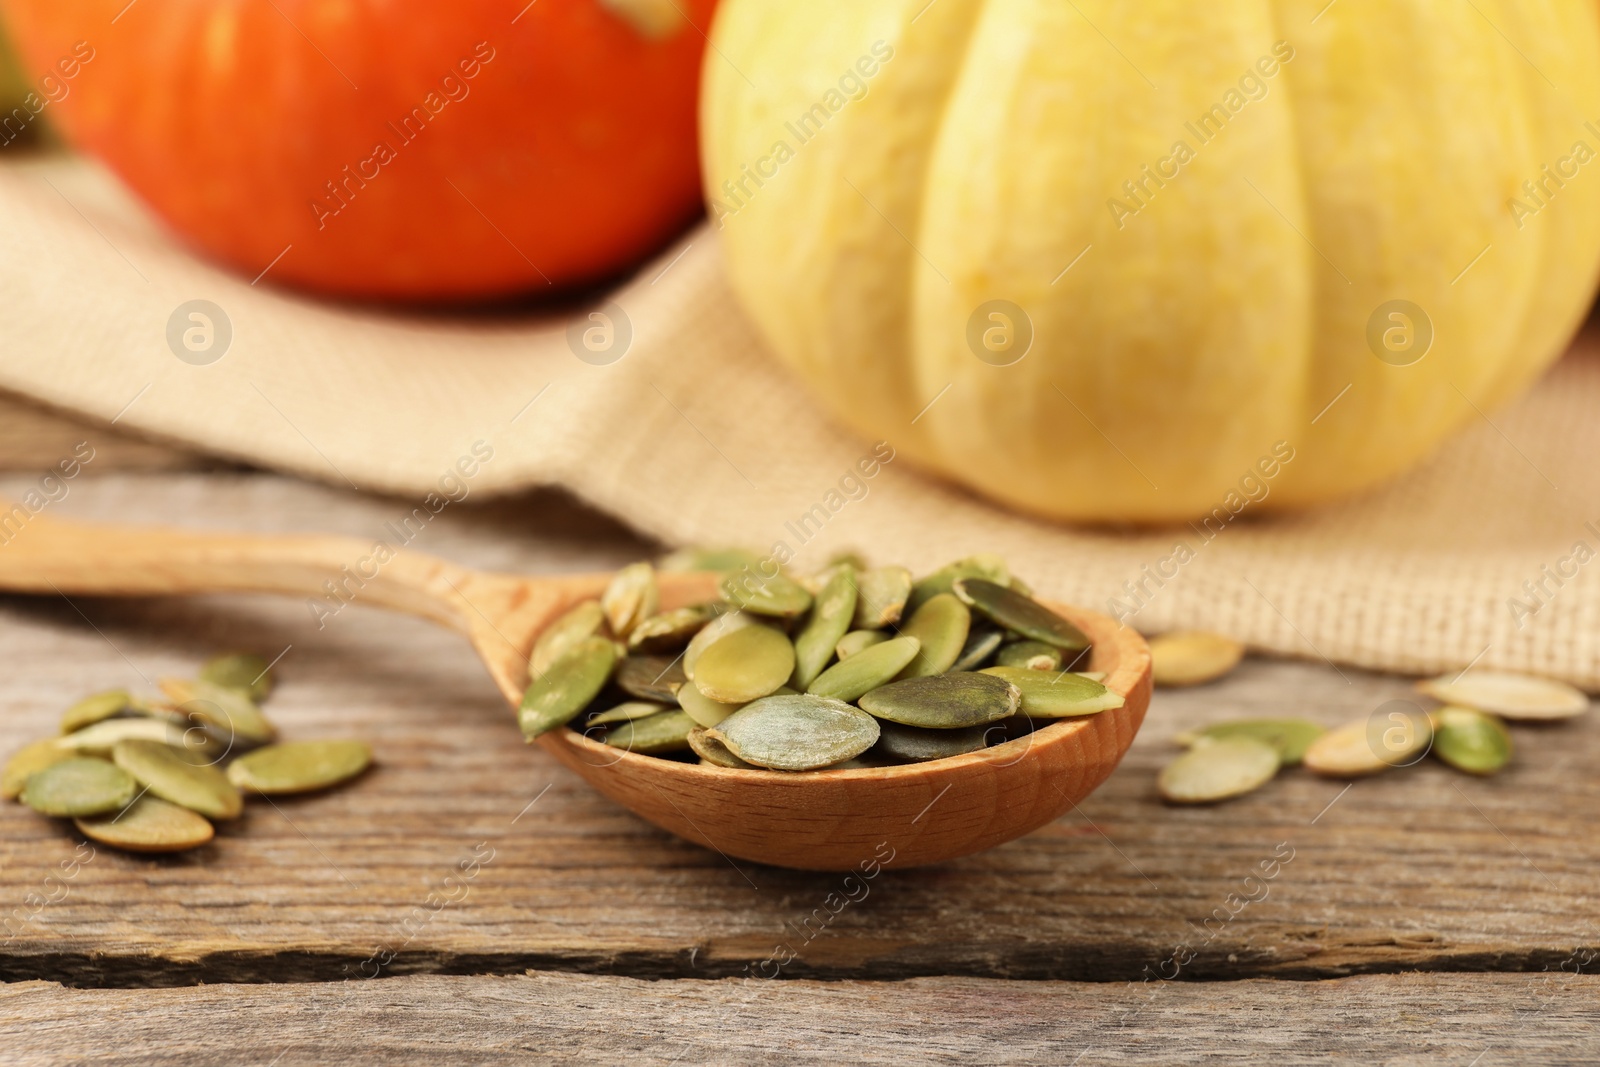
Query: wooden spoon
x=827, y=820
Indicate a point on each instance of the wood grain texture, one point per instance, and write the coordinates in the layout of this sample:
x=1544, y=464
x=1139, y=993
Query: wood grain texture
x=34, y=438
x=1417, y=869
x=1482, y=1020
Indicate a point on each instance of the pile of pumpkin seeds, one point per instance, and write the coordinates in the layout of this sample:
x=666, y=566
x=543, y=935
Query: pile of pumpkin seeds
x=1467, y=732
x=152, y=774
x=853, y=667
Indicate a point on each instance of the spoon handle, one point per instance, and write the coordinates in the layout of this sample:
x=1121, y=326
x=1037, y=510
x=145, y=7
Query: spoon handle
x=39, y=554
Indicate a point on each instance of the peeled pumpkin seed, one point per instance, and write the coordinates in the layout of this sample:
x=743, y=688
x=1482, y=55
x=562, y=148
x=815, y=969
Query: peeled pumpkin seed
x=1024, y=615
x=1192, y=657
x=582, y=621
x=1217, y=770
x=744, y=665
x=796, y=733
x=627, y=712
x=567, y=686
x=915, y=744
x=245, y=671
x=230, y=712
x=1291, y=737
x=856, y=640
x=1348, y=751
x=982, y=642
x=940, y=625
x=92, y=709
x=713, y=631
x=299, y=766
x=655, y=678
x=865, y=671
x=712, y=751
x=149, y=824
x=881, y=596
x=29, y=760
x=631, y=598
x=1470, y=740
x=701, y=558
x=983, y=565
x=1057, y=695
x=103, y=736
x=79, y=786
x=701, y=708
x=667, y=732
x=168, y=773
x=1033, y=655
x=944, y=701
x=1519, y=697
x=831, y=614
x=670, y=631
x=779, y=595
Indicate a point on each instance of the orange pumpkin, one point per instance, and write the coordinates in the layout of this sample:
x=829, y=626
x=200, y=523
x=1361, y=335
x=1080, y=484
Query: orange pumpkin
x=400, y=149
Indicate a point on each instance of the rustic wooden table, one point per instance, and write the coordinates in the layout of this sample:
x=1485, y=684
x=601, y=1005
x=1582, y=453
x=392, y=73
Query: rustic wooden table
x=1419, y=916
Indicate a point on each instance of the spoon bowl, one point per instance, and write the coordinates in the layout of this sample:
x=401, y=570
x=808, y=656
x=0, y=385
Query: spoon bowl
x=909, y=815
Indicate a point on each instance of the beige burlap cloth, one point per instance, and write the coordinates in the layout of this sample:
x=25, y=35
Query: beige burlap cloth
x=697, y=435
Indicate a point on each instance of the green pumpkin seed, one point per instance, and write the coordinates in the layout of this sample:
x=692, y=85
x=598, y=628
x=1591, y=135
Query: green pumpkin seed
x=984, y=565
x=1192, y=657
x=779, y=595
x=1291, y=737
x=557, y=696
x=93, y=709
x=715, y=630
x=79, y=786
x=866, y=670
x=714, y=752
x=580, y=622
x=1010, y=609
x=701, y=708
x=1511, y=696
x=941, y=625
x=1217, y=770
x=168, y=773
x=103, y=736
x=667, y=732
x=29, y=760
x=857, y=640
x=627, y=712
x=915, y=744
x=944, y=701
x=299, y=766
x=831, y=614
x=670, y=631
x=632, y=597
x=656, y=678
x=1032, y=655
x=149, y=824
x=796, y=733
x=244, y=671
x=720, y=560
x=855, y=560
x=230, y=712
x=881, y=597
x=745, y=665
x=982, y=642
x=1470, y=740
x=1057, y=695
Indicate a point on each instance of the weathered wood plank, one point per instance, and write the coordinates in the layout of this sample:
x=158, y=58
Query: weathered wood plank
x=33, y=438
x=1418, y=869
x=1484, y=1020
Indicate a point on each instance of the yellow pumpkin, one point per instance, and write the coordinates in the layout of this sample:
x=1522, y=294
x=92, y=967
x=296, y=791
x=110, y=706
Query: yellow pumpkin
x=1104, y=260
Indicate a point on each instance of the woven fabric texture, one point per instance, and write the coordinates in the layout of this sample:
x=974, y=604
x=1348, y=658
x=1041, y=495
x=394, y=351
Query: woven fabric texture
x=696, y=435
